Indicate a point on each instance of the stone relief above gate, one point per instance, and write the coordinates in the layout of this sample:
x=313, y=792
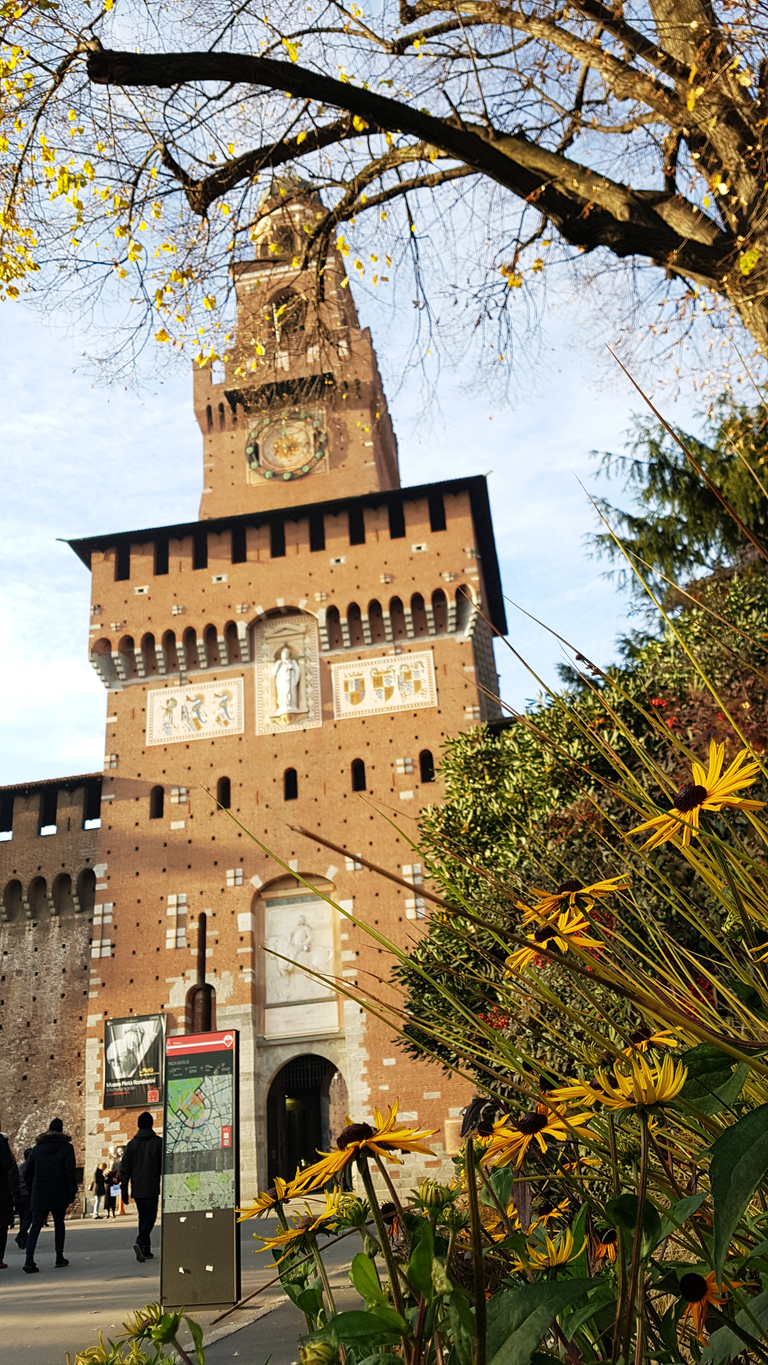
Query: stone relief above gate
x=299, y=938
x=286, y=655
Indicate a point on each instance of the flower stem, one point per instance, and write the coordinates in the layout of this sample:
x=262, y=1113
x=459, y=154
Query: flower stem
x=394, y=1274
x=477, y=1251
x=634, y=1273
x=321, y=1270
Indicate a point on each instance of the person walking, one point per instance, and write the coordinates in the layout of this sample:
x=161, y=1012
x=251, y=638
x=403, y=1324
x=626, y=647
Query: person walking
x=51, y=1178
x=99, y=1187
x=140, y=1173
x=112, y=1184
x=9, y=1194
x=25, y=1207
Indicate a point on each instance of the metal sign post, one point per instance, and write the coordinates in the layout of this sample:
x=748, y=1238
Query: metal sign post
x=200, y=1266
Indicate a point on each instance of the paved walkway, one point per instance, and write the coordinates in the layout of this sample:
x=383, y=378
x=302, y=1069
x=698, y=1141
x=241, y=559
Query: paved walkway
x=44, y=1316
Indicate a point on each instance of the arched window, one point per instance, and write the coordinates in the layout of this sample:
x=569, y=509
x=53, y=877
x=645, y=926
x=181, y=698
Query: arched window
x=440, y=608
x=419, y=614
x=12, y=901
x=126, y=650
x=376, y=623
x=397, y=616
x=224, y=792
x=156, y=803
x=86, y=890
x=290, y=785
x=426, y=766
x=190, y=646
x=288, y=310
x=222, y=418
x=211, y=646
x=169, y=649
x=233, y=643
x=355, y=623
x=464, y=607
x=62, y=894
x=333, y=622
x=36, y=896
x=149, y=654
x=101, y=657
x=358, y=775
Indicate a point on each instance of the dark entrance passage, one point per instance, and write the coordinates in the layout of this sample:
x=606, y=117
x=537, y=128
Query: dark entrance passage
x=305, y=1112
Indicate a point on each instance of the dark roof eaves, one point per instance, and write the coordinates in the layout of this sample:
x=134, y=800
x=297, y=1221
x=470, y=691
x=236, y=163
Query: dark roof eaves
x=70, y=783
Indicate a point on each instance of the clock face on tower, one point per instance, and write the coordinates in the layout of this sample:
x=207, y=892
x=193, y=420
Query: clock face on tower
x=286, y=445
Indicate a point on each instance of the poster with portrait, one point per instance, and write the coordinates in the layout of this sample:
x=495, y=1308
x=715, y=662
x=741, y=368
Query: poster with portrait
x=134, y=1050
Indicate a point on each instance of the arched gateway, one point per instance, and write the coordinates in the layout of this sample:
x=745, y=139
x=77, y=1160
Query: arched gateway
x=305, y=1112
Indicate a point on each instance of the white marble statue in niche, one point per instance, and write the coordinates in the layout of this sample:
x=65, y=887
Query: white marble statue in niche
x=286, y=672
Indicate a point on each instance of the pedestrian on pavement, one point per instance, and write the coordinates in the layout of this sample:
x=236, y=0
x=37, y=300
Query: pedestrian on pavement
x=99, y=1187
x=112, y=1184
x=51, y=1178
x=141, y=1170
x=9, y=1194
x=25, y=1206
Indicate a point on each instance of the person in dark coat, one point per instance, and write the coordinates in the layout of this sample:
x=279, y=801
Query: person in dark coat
x=25, y=1207
x=112, y=1180
x=51, y=1178
x=9, y=1194
x=141, y=1169
x=99, y=1187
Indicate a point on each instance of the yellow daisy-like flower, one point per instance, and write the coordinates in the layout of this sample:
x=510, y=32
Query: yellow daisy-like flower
x=644, y=1037
x=309, y=1222
x=551, y=1252
x=511, y=1139
x=383, y=1140
x=699, y=1292
x=713, y=790
x=567, y=894
x=607, y=1247
x=567, y=929
x=266, y=1200
x=639, y=1084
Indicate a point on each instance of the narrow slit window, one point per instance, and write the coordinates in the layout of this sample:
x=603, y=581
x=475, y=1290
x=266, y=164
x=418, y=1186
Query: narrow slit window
x=277, y=538
x=239, y=554
x=200, y=550
x=358, y=775
x=436, y=512
x=290, y=785
x=156, y=803
x=396, y=521
x=316, y=531
x=426, y=766
x=224, y=792
x=356, y=526
x=161, y=557
x=123, y=563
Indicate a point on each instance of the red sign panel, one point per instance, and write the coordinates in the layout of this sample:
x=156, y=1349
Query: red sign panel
x=186, y=1043
x=153, y=1097
x=226, y=1136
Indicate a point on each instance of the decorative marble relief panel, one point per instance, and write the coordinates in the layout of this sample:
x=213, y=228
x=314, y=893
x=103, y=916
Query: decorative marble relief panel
x=299, y=936
x=393, y=682
x=197, y=711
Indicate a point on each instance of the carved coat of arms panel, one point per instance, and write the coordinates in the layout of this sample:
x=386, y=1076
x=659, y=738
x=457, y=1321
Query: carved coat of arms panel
x=400, y=682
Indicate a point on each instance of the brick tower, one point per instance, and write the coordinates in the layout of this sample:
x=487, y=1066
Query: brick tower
x=294, y=659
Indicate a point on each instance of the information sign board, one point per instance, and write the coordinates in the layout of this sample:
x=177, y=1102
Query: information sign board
x=201, y=1164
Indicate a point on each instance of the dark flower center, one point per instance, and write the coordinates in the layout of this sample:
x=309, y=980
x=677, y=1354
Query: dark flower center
x=303, y=1224
x=388, y=1213
x=271, y=1193
x=356, y=1132
x=693, y=1288
x=608, y=1237
x=484, y=1128
x=640, y=1035
x=545, y=934
x=532, y=1123
x=690, y=795
x=569, y=885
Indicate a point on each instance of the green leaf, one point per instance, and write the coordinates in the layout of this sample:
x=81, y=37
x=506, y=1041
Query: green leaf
x=578, y=1268
x=622, y=1212
x=357, y=1328
x=603, y=1295
x=310, y=1300
x=675, y=1217
x=420, y=1265
x=363, y=1275
x=739, y=1163
x=724, y=1344
x=712, y=1082
x=519, y=1318
x=502, y=1182
x=462, y=1321
x=442, y=1284
x=197, y=1336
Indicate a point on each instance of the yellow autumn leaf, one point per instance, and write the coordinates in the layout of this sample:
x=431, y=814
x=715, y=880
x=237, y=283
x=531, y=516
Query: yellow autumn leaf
x=359, y=124
x=162, y=335
x=291, y=48
x=748, y=260
x=209, y=301
x=300, y=138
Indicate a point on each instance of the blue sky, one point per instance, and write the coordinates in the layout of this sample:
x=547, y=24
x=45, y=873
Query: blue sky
x=78, y=459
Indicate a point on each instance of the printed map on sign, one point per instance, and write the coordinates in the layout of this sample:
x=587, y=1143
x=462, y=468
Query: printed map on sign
x=395, y=682
x=199, y=1166
x=196, y=711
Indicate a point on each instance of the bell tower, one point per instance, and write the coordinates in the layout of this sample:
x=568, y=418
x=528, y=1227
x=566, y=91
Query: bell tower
x=300, y=415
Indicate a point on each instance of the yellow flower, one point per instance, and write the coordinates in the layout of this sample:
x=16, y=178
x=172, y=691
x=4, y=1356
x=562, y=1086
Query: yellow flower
x=567, y=893
x=551, y=1252
x=607, y=1246
x=564, y=930
x=267, y=1199
x=699, y=1291
x=510, y=1140
x=643, y=1038
x=638, y=1084
x=383, y=1140
x=712, y=790
x=309, y=1222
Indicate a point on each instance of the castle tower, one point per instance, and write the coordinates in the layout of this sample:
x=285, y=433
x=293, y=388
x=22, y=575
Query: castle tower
x=295, y=659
